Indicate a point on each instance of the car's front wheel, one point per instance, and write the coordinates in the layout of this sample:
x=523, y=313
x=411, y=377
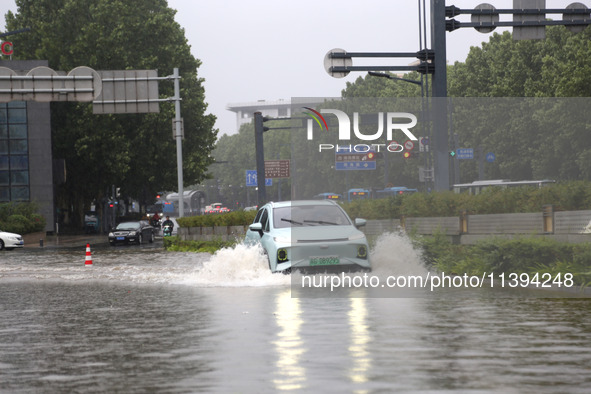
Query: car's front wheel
x=1, y=244
x=152, y=237
x=140, y=239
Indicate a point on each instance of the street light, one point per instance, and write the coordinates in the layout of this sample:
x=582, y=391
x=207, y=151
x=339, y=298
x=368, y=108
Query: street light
x=384, y=75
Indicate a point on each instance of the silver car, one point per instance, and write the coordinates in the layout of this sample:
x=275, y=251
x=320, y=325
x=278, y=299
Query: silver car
x=310, y=236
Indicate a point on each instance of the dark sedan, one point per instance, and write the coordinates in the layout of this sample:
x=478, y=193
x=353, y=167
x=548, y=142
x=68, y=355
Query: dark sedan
x=132, y=232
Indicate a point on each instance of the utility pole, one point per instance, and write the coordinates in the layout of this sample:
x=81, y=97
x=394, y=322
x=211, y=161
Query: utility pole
x=439, y=92
x=259, y=129
x=179, y=140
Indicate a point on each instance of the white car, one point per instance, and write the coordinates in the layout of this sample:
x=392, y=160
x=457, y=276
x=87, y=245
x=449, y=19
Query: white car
x=10, y=241
x=309, y=235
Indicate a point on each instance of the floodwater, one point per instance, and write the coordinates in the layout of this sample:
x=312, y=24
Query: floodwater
x=145, y=320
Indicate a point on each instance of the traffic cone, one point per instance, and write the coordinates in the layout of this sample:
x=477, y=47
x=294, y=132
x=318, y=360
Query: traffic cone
x=88, y=262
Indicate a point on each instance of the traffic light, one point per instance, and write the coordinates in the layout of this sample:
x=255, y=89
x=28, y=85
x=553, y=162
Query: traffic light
x=406, y=155
x=452, y=153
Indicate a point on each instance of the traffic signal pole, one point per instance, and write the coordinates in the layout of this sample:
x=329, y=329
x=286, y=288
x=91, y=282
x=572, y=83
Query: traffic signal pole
x=260, y=157
x=439, y=93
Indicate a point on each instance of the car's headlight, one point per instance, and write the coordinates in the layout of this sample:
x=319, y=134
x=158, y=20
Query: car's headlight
x=356, y=236
x=132, y=233
x=362, y=252
x=111, y=235
x=282, y=255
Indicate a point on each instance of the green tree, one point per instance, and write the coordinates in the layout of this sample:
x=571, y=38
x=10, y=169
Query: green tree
x=134, y=152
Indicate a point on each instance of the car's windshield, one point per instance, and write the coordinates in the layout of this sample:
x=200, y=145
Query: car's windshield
x=309, y=215
x=128, y=226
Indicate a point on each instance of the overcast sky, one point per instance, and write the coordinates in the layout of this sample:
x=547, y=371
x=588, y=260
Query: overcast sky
x=274, y=49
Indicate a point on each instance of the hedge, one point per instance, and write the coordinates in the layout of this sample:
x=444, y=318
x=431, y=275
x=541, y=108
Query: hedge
x=236, y=218
x=568, y=196
x=21, y=218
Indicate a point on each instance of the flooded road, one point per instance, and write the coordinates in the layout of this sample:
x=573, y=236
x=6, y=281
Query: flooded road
x=145, y=320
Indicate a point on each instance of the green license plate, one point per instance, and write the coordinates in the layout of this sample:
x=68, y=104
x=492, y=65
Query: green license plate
x=328, y=260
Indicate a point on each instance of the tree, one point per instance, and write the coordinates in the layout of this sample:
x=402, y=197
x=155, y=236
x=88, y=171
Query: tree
x=135, y=152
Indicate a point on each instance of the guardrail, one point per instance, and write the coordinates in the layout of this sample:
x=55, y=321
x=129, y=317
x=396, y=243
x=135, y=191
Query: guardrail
x=568, y=226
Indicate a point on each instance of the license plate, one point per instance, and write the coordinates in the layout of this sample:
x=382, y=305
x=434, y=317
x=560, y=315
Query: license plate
x=120, y=238
x=325, y=260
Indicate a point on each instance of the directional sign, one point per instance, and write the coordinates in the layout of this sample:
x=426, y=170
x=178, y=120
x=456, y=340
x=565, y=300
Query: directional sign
x=251, y=179
x=44, y=84
x=464, y=153
x=345, y=159
x=276, y=168
x=490, y=157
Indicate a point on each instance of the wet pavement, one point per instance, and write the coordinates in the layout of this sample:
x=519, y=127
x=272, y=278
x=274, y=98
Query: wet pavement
x=52, y=241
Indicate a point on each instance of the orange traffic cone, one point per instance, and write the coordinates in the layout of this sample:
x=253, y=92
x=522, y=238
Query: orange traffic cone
x=88, y=262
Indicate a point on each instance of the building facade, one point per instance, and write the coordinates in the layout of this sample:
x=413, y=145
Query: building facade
x=26, y=170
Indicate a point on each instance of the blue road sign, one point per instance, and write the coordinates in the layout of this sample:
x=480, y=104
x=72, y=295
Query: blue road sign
x=464, y=153
x=251, y=179
x=490, y=157
x=345, y=159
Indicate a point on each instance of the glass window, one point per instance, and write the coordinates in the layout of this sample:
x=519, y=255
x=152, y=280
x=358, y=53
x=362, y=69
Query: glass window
x=309, y=215
x=17, y=131
x=257, y=218
x=19, y=193
x=4, y=178
x=19, y=178
x=4, y=193
x=265, y=220
x=18, y=147
x=17, y=115
x=19, y=163
x=14, y=152
x=17, y=104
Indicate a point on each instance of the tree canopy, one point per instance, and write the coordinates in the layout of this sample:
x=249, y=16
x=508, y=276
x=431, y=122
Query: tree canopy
x=543, y=136
x=135, y=152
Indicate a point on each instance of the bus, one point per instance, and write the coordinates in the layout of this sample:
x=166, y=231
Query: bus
x=394, y=191
x=477, y=186
x=194, y=203
x=358, y=194
x=328, y=196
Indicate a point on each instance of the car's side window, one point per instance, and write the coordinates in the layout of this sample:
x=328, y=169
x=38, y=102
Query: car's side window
x=257, y=218
x=265, y=220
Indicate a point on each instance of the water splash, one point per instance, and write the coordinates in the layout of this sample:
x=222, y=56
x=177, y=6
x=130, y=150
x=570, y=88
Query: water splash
x=240, y=265
x=394, y=254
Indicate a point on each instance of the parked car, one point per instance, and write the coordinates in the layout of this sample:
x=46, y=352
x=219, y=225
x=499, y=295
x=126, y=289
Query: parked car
x=132, y=232
x=10, y=241
x=309, y=235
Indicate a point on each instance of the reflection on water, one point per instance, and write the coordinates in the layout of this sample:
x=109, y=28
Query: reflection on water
x=144, y=320
x=289, y=345
x=360, y=338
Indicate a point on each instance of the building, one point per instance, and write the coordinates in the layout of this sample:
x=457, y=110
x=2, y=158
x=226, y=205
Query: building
x=25, y=149
x=273, y=109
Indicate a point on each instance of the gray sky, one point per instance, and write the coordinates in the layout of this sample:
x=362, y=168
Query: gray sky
x=274, y=49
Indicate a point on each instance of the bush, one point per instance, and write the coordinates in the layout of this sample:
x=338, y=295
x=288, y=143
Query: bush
x=21, y=218
x=236, y=218
x=522, y=255
x=175, y=244
x=573, y=196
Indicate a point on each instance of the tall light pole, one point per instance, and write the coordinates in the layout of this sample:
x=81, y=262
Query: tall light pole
x=179, y=140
